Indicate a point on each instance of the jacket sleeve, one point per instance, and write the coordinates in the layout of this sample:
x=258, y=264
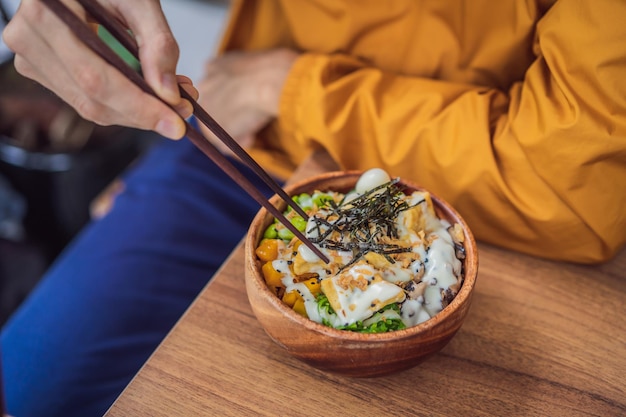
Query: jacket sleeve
x=540, y=168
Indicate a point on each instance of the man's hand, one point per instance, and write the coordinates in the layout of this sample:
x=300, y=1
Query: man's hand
x=48, y=52
x=241, y=90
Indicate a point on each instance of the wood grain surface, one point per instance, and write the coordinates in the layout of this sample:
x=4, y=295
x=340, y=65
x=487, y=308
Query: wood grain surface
x=542, y=338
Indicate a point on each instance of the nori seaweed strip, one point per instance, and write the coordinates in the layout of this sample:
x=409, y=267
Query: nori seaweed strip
x=362, y=222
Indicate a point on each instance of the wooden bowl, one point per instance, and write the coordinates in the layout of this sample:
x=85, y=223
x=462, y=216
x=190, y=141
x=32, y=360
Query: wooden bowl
x=340, y=351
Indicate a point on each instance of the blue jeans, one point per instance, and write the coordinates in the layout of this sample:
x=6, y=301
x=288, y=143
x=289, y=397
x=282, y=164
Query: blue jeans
x=115, y=292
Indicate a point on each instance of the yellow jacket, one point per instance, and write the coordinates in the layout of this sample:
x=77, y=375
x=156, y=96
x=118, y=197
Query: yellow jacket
x=513, y=111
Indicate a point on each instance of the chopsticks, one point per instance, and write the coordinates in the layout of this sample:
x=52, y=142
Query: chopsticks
x=87, y=36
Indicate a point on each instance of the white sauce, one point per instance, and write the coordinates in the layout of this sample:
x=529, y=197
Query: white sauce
x=307, y=254
x=396, y=274
x=442, y=266
x=356, y=304
x=414, y=313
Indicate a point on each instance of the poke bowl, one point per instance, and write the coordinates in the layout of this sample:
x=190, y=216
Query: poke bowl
x=398, y=285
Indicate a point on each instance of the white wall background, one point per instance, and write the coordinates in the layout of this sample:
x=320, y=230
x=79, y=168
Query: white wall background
x=198, y=26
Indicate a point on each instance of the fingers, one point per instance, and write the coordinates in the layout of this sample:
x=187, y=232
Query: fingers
x=187, y=84
x=49, y=53
x=158, y=50
x=185, y=108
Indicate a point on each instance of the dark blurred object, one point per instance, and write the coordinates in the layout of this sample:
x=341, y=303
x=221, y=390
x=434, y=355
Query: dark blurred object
x=56, y=163
x=20, y=263
x=2, y=406
x=12, y=212
x=21, y=266
x=36, y=120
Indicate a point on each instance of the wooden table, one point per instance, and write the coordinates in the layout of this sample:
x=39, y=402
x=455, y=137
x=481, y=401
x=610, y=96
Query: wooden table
x=542, y=338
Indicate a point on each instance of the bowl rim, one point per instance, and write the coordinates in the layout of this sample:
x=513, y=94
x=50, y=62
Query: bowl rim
x=463, y=295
